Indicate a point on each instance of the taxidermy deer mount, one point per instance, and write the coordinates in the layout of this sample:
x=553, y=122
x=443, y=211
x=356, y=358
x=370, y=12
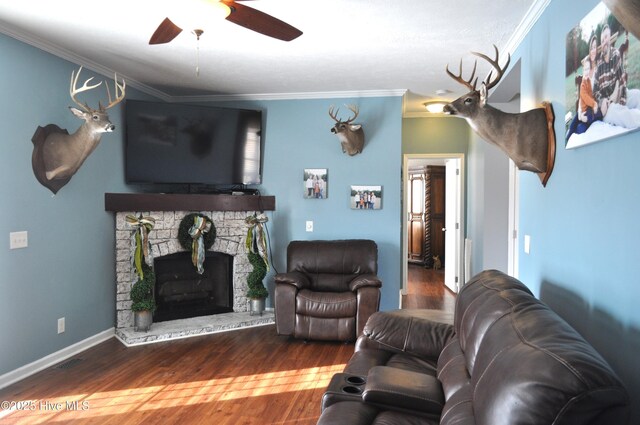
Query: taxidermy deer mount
x=57, y=155
x=627, y=12
x=351, y=135
x=527, y=138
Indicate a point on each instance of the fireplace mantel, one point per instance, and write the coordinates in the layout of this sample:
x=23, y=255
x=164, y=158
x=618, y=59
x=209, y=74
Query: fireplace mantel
x=187, y=202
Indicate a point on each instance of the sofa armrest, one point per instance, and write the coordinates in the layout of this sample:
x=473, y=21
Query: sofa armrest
x=411, y=331
x=364, y=280
x=297, y=279
x=368, y=303
x=285, y=309
x=406, y=390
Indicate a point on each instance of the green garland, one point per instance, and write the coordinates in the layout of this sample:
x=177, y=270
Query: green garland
x=254, y=280
x=185, y=238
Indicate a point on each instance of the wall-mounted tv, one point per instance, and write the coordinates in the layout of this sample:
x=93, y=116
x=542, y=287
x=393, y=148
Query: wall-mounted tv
x=171, y=143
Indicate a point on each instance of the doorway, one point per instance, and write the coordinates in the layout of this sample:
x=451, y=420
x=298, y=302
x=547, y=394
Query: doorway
x=433, y=205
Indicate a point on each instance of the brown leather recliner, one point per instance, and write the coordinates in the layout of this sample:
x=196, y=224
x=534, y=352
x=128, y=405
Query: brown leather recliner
x=329, y=290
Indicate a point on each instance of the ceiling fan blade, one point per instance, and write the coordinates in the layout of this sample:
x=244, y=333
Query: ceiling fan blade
x=165, y=32
x=258, y=21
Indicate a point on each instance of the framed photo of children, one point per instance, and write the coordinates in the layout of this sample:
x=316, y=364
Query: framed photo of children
x=316, y=183
x=602, y=79
x=365, y=197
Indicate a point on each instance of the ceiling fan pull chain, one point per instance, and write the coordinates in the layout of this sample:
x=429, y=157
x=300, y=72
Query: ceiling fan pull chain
x=198, y=33
x=198, y=59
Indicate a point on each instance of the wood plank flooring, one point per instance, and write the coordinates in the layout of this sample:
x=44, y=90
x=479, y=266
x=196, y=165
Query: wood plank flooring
x=426, y=289
x=243, y=377
x=249, y=376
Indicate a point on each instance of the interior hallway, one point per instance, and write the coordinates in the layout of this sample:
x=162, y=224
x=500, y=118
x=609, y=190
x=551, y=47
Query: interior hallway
x=426, y=289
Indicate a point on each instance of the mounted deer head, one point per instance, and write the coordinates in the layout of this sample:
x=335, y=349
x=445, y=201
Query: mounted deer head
x=57, y=155
x=627, y=12
x=527, y=138
x=351, y=135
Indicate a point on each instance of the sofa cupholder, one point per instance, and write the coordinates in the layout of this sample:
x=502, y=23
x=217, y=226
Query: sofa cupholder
x=349, y=389
x=356, y=380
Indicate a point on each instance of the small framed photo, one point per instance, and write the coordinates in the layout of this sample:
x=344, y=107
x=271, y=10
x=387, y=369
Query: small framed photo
x=366, y=197
x=316, y=183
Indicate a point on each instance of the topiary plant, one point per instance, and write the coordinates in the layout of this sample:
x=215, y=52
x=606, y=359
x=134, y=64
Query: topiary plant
x=142, y=291
x=254, y=280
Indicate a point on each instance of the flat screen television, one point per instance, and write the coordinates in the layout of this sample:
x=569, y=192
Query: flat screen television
x=171, y=143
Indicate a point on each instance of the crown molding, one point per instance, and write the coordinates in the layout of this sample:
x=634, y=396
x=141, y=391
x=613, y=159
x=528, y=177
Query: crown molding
x=531, y=17
x=290, y=96
x=107, y=72
x=426, y=114
x=529, y=20
x=78, y=60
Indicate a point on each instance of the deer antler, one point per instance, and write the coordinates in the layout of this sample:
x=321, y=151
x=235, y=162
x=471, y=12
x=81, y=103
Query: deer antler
x=352, y=108
x=470, y=83
x=355, y=110
x=500, y=71
x=334, y=115
x=119, y=97
x=73, y=91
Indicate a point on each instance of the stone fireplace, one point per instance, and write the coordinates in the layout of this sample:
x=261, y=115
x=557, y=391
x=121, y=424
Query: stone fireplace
x=228, y=215
x=231, y=231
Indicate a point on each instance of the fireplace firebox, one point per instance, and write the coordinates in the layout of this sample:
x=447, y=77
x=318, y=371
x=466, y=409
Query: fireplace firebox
x=181, y=292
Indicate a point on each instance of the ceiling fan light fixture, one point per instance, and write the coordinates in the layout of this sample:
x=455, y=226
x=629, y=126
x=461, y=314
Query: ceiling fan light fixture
x=199, y=14
x=220, y=10
x=435, y=107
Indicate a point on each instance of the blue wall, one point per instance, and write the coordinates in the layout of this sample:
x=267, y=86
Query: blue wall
x=584, y=225
x=297, y=136
x=68, y=270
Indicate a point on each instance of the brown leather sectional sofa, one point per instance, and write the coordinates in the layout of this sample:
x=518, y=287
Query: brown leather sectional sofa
x=507, y=359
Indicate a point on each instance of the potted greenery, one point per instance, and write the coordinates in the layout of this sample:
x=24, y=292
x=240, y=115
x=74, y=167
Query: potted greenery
x=257, y=293
x=143, y=304
x=257, y=247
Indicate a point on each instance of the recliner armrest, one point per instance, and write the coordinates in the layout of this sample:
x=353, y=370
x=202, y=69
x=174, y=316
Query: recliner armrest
x=411, y=331
x=297, y=279
x=404, y=390
x=365, y=280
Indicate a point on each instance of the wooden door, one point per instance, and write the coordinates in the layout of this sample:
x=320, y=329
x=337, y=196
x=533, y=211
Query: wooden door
x=436, y=204
x=416, y=218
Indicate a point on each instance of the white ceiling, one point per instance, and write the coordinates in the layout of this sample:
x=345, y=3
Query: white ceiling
x=348, y=47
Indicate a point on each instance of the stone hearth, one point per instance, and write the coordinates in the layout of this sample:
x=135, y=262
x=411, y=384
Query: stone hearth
x=196, y=326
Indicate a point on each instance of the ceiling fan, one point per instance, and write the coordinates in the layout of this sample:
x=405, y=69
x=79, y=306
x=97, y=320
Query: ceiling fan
x=235, y=12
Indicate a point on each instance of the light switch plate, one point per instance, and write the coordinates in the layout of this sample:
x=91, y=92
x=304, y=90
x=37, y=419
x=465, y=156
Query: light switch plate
x=309, y=226
x=18, y=240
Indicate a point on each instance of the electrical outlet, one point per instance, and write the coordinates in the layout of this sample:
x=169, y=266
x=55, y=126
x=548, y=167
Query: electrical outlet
x=61, y=325
x=309, y=226
x=18, y=240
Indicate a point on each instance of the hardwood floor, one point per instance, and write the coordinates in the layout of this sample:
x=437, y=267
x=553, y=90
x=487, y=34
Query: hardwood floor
x=249, y=376
x=243, y=377
x=426, y=289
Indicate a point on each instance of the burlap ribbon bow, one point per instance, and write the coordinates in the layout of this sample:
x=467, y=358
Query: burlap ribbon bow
x=140, y=240
x=256, y=236
x=201, y=225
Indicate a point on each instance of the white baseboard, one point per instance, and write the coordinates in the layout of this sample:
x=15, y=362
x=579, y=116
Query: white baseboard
x=53, y=358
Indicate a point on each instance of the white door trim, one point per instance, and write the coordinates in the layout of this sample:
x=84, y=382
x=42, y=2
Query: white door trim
x=405, y=211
